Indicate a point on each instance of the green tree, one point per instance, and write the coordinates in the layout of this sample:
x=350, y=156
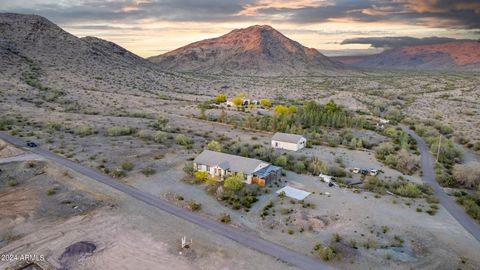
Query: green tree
x=214, y=146
x=281, y=161
x=221, y=98
x=234, y=182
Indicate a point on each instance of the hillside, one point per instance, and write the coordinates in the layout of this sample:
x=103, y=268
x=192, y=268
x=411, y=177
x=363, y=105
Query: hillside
x=461, y=55
x=256, y=50
x=35, y=50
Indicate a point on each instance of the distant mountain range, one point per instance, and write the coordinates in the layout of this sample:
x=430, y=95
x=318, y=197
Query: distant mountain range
x=258, y=50
x=457, y=55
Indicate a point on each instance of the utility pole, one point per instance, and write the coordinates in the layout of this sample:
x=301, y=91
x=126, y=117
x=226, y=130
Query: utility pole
x=439, y=144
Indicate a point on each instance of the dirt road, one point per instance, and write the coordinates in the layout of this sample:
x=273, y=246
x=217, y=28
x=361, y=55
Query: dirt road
x=427, y=163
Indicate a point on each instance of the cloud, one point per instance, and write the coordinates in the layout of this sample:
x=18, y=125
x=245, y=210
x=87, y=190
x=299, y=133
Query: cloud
x=395, y=42
x=133, y=11
x=458, y=14
x=463, y=14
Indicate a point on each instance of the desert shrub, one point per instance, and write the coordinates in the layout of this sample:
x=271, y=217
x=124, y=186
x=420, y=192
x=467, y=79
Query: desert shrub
x=147, y=171
x=119, y=131
x=118, y=172
x=214, y=146
x=299, y=167
x=384, y=149
x=159, y=136
x=83, y=131
x=11, y=182
x=52, y=126
x=265, y=102
x=51, y=192
x=337, y=171
x=183, y=140
x=467, y=175
x=128, y=166
x=220, y=98
x=408, y=190
x=225, y=218
x=326, y=253
x=336, y=237
x=431, y=199
x=144, y=135
x=281, y=161
x=375, y=185
x=194, y=206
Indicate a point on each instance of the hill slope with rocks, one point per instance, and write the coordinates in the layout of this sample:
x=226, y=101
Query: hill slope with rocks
x=36, y=51
x=257, y=50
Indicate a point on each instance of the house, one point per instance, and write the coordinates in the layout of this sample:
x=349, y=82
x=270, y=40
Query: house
x=220, y=165
x=288, y=141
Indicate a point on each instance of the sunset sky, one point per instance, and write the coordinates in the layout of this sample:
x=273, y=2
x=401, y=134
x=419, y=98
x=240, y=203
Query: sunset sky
x=152, y=27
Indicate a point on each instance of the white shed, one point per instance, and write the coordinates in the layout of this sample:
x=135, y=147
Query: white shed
x=287, y=141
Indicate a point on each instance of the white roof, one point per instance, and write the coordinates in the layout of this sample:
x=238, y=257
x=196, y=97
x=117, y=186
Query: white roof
x=287, y=137
x=294, y=193
x=229, y=162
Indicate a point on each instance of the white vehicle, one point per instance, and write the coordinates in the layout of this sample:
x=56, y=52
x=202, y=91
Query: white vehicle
x=326, y=178
x=356, y=170
x=373, y=172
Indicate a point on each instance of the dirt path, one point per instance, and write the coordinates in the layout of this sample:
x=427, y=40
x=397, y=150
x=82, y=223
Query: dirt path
x=448, y=203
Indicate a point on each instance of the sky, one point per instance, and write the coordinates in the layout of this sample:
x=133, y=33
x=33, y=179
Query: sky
x=152, y=27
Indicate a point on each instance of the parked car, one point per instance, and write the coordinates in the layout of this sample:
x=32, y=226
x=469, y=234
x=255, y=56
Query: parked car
x=365, y=171
x=31, y=144
x=356, y=170
x=373, y=172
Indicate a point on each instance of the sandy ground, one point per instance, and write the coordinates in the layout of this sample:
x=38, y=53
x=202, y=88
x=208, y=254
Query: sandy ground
x=127, y=233
x=7, y=150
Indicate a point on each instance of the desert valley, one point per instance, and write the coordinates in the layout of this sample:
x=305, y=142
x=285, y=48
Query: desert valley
x=109, y=159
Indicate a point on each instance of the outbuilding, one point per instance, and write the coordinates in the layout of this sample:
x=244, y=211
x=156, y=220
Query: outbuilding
x=292, y=142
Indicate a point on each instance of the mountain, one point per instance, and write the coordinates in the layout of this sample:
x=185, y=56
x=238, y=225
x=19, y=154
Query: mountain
x=34, y=50
x=256, y=50
x=457, y=55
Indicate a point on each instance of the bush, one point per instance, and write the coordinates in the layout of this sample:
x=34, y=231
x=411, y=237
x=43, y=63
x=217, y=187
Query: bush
x=234, y=182
x=225, y=218
x=117, y=173
x=408, y=190
x=194, y=206
x=159, y=136
x=144, y=135
x=183, y=140
x=384, y=150
x=467, y=175
x=119, y=131
x=201, y=176
x=84, y=131
x=281, y=161
x=336, y=237
x=299, y=167
x=128, y=166
x=52, y=192
x=265, y=102
x=220, y=98
x=214, y=146
x=147, y=171
x=327, y=253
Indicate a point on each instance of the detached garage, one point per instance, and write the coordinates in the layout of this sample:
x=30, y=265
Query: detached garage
x=292, y=142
